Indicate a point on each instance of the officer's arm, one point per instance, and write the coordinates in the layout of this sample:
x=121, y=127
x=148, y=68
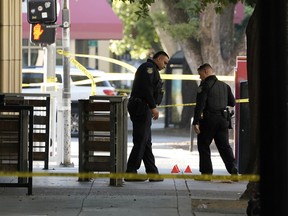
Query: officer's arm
x=152, y=102
x=148, y=88
x=200, y=103
x=231, y=98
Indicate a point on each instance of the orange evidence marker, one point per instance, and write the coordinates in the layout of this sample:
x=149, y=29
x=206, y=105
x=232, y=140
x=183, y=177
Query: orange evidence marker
x=175, y=169
x=188, y=170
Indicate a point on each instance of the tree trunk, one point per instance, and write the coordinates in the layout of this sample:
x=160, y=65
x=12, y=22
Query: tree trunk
x=168, y=43
x=215, y=43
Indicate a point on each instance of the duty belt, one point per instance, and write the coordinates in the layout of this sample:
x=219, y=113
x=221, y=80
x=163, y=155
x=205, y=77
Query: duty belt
x=214, y=112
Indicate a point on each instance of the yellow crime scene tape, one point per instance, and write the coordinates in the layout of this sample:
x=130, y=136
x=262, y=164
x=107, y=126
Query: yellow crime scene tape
x=115, y=61
x=131, y=68
x=251, y=178
x=130, y=76
x=118, y=76
x=245, y=100
x=81, y=68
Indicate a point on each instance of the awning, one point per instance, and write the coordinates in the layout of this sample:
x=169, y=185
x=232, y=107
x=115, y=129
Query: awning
x=90, y=19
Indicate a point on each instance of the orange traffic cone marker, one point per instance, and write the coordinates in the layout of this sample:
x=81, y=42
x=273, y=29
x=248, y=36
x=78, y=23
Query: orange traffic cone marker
x=188, y=170
x=175, y=169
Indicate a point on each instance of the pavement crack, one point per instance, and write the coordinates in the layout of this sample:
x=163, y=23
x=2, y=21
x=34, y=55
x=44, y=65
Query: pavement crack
x=177, y=198
x=82, y=204
x=188, y=189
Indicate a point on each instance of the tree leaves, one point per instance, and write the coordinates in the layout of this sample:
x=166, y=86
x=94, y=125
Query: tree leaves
x=139, y=35
x=143, y=8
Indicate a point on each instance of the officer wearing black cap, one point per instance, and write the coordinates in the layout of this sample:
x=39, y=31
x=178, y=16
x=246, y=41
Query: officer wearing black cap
x=145, y=95
x=211, y=120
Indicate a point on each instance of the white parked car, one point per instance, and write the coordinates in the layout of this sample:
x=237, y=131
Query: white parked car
x=80, y=87
x=80, y=84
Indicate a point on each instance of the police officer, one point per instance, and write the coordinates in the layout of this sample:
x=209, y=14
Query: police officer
x=145, y=95
x=211, y=120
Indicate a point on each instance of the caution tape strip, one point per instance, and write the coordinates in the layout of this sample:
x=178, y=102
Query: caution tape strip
x=177, y=105
x=118, y=76
x=130, y=76
x=115, y=61
x=245, y=100
x=252, y=178
x=81, y=68
x=125, y=76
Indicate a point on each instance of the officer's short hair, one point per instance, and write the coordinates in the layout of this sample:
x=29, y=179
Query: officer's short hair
x=159, y=53
x=204, y=66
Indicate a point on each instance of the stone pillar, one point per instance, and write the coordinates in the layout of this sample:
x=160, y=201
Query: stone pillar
x=103, y=50
x=10, y=45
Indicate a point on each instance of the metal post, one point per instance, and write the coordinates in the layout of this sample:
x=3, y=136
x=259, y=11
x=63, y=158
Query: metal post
x=50, y=80
x=66, y=84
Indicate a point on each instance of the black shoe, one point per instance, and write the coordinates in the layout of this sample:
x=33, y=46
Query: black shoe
x=234, y=171
x=156, y=180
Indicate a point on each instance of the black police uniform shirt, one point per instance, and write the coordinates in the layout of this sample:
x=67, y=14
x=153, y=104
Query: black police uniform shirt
x=144, y=86
x=212, y=95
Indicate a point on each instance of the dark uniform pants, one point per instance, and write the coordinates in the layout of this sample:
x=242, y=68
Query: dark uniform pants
x=141, y=116
x=214, y=127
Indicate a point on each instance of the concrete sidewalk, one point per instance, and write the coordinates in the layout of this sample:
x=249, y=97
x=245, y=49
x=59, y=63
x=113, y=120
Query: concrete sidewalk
x=173, y=197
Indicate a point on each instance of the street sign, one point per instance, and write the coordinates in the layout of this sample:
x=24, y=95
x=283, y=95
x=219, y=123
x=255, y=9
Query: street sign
x=41, y=11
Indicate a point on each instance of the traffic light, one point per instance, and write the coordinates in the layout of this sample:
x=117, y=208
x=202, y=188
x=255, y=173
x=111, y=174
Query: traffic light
x=42, y=34
x=41, y=11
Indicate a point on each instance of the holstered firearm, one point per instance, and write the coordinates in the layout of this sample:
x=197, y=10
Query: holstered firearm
x=229, y=117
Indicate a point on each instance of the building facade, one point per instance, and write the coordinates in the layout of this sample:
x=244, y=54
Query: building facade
x=93, y=25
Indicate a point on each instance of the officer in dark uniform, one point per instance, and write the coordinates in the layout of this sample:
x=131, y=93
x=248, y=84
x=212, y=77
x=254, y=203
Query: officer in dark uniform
x=211, y=120
x=145, y=95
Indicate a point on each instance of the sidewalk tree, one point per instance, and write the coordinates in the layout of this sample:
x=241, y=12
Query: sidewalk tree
x=221, y=54
x=205, y=32
x=139, y=35
x=219, y=44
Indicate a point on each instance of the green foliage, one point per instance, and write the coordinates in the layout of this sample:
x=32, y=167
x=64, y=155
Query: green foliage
x=179, y=31
x=189, y=27
x=191, y=7
x=143, y=6
x=251, y=3
x=140, y=36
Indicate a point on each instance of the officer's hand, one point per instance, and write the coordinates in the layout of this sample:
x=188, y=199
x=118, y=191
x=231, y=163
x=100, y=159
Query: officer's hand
x=155, y=113
x=196, y=129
